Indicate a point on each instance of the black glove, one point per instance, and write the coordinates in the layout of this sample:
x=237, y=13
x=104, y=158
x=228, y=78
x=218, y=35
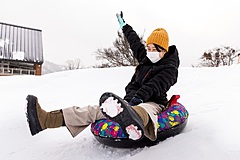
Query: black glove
x=121, y=20
x=135, y=101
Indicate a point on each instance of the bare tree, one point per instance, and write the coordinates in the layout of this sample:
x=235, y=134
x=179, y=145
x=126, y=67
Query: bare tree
x=73, y=64
x=119, y=55
x=219, y=56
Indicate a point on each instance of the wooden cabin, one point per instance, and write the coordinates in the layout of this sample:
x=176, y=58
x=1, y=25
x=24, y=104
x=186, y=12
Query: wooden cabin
x=21, y=50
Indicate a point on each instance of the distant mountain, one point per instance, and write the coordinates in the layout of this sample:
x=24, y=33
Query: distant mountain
x=50, y=67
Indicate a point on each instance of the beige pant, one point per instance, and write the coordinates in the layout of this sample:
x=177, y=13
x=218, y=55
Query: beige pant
x=77, y=119
x=150, y=131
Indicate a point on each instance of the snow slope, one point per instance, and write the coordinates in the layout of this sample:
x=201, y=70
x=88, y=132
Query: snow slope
x=210, y=95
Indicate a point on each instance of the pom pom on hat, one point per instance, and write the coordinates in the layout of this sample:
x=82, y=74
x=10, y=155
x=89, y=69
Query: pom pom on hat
x=160, y=37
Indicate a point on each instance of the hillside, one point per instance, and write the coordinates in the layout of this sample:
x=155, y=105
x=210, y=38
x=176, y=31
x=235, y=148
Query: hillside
x=209, y=94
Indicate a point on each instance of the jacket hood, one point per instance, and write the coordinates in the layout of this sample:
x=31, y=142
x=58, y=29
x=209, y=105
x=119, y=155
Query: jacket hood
x=171, y=57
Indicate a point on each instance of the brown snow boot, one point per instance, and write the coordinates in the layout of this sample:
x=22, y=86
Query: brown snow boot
x=142, y=114
x=39, y=119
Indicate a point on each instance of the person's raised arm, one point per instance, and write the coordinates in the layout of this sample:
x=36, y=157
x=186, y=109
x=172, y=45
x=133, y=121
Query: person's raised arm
x=133, y=39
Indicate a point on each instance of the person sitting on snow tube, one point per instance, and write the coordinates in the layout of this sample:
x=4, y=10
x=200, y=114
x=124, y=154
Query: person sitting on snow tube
x=145, y=93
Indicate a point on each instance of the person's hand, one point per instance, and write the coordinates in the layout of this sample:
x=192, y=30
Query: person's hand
x=121, y=20
x=135, y=101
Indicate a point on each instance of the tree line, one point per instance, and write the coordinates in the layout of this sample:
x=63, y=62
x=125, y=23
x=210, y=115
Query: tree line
x=121, y=55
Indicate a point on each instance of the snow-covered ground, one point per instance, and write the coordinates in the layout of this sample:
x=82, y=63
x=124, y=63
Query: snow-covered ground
x=209, y=94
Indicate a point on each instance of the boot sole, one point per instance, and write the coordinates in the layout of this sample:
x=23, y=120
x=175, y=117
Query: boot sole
x=116, y=109
x=31, y=115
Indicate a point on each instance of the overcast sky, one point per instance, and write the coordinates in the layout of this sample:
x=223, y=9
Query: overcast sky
x=76, y=28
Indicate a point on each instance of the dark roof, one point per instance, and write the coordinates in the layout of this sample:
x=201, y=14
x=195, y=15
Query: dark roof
x=21, y=43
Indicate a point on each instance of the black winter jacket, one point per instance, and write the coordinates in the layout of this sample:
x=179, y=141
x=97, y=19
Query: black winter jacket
x=151, y=81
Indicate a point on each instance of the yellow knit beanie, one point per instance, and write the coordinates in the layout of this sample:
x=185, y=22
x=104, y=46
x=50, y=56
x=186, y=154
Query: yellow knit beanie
x=160, y=37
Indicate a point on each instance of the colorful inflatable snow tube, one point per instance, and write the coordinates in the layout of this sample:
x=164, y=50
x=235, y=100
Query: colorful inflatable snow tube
x=170, y=123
